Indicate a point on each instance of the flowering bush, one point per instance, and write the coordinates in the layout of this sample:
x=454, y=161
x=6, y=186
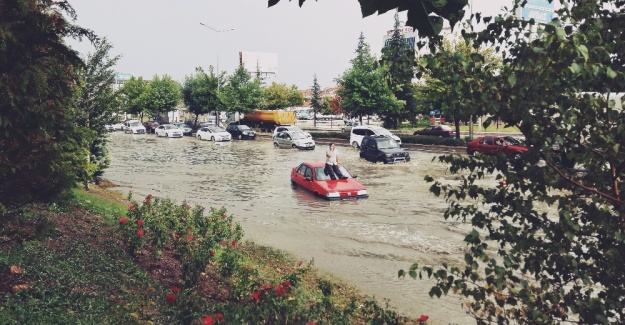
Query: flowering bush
x=162, y=223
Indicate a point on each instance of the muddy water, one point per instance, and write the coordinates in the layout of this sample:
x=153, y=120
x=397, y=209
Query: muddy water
x=364, y=242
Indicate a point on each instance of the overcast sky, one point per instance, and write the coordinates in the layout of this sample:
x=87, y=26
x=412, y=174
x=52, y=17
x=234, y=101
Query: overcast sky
x=157, y=37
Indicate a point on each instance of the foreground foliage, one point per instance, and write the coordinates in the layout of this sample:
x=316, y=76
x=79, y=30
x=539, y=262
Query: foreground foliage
x=160, y=262
x=549, y=246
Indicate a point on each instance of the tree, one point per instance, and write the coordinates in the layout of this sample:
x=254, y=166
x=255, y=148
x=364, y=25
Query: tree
x=199, y=92
x=40, y=143
x=315, y=101
x=241, y=93
x=399, y=59
x=426, y=16
x=161, y=95
x=97, y=104
x=550, y=245
x=132, y=95
x=279, y=96
x=457, y=69
x=362, y=88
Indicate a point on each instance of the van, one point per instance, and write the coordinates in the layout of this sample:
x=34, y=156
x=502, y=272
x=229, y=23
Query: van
x=359, y=132
x=134, y=127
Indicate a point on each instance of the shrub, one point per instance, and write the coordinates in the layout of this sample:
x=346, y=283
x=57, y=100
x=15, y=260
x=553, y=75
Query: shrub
x=429, y=140
x=331, y=135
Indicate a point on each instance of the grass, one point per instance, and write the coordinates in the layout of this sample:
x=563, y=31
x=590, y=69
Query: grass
x=70, y=264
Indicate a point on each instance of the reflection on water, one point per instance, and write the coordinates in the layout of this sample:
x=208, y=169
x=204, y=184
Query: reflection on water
x=400, y=220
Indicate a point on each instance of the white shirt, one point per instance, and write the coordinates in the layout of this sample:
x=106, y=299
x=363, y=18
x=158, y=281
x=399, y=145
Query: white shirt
x=331, y=157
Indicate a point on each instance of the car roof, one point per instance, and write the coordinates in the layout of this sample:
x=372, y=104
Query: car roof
x=315, y=163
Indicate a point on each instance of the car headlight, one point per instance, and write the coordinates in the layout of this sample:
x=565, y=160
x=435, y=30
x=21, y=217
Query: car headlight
x=362, y=192
x=389, y=155
x=333, y=194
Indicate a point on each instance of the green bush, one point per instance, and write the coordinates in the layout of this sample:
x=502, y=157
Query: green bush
x=428, y=140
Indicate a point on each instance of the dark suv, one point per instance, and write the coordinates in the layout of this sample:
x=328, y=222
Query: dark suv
x=382, y=148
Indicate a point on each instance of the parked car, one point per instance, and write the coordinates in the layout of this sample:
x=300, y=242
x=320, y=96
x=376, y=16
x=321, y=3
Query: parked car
x=168, y=130
x=134, y=127
x=444, y=131
x=241, y=131
x=109, y=127
x=186, y=130
x=382, y=148
x=312, y=177
x=117, y=126
x=359, y=132
x=293, y=128
x=293, y=139
x=349, y=125
x=492, y=145
x=213, y=133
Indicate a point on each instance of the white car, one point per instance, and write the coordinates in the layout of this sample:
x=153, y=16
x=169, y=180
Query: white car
x=168, y=130
x=213, y=133
x=295, y=140
x=359, y=132
x=289, y=128
x=134, y=127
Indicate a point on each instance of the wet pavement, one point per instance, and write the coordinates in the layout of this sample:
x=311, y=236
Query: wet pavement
x=365, y=242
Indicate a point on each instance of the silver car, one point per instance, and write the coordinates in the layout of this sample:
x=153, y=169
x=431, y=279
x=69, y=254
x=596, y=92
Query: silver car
x=293, y=139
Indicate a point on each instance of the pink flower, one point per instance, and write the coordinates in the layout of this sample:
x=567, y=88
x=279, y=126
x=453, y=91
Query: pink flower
x=257, y=295
x=267, y=287
x=147, y=201
x=140, y=222
x=190, y=238
x=175, y=289
x=212, y=252
x=223, y=216
x=423, y=319
x=220, y=317
x=131, y=207
x=310, y=323
x=190, y=229
x=286, y=284
x=170, y=298
x=140, y=233
x=149, y=195
x=281, y=291
x=300, y=263
x=123, y=221
x=208, y=320
x=177, y=236
x=234, y=243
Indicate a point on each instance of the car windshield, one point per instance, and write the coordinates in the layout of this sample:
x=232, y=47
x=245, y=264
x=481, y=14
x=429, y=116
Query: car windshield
x=387, y=143
x=170, y=127
x=135, y=124
x=298, y=135
x=244, y=128
x=215, y=129
x=320, y=174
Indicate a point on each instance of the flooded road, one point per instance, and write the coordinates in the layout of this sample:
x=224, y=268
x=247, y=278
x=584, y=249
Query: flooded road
x=365, y=242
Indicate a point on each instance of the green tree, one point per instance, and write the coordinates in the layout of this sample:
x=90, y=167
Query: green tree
x=199, y=92
x=362, y=88
x=280, y=96
x=242, y=93
x=400, y=61
x=549, y=246
x=316, y=102
x=40, y=144
x=97, y=104
x=460, y=67
x=161, y=95
x=426, y=16
x=132, y=95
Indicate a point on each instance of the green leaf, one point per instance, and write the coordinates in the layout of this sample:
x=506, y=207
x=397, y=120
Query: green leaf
x=512, y=79
x=561, y=34
x=610, y=73
x=575, y=68
x=583, y=50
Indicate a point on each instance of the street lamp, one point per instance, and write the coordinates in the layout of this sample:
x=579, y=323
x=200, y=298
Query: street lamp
x=217, y=31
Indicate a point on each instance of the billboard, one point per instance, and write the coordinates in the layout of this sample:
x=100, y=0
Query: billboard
x=257, y=61
x=539, y=10
x=407, y=32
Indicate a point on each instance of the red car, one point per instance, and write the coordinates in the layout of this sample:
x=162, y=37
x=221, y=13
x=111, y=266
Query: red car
x=492, y=145
x=311, y=176
x=437, y=131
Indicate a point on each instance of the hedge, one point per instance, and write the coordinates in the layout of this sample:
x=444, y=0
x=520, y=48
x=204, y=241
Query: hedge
x=425, y=140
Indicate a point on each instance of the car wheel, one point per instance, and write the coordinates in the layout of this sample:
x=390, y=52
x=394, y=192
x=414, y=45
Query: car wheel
x=293, y=183
x=355, y=145
x=293, y=147
x=473, y=153
x=275, y=144
x=240, y=137
x=199, y=137
x=362, y=155
x=213, y=139
x=343, y=130
x=167, y=135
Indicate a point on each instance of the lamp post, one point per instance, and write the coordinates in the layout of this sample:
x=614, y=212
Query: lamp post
x=219, y=31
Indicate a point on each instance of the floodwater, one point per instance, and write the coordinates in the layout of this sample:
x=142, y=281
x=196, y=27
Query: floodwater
x=364, y=242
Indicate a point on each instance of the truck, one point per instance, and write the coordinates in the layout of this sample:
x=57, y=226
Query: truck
x=266, y=121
